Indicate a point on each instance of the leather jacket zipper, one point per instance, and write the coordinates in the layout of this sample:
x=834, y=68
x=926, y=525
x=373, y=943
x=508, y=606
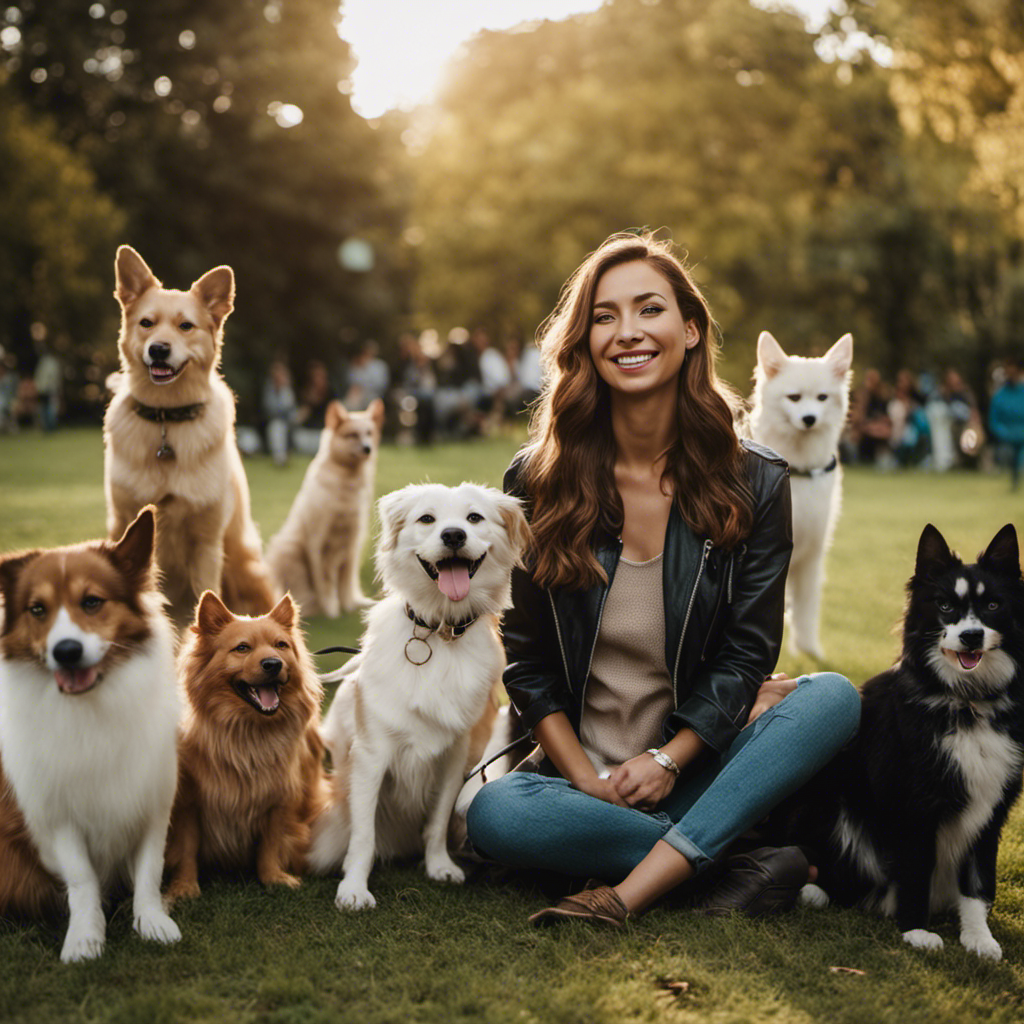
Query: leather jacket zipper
x=593, y=647
x=561, y=646
x=686, y=621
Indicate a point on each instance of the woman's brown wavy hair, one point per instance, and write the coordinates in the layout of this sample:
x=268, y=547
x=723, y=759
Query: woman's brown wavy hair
x=569, y=464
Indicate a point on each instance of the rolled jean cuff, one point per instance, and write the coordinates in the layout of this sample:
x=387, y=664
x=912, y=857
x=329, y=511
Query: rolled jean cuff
x=696, y=856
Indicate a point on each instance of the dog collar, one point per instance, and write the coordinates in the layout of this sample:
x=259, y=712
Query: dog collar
x=163, y=416
x=445, y=630
x=821, y=471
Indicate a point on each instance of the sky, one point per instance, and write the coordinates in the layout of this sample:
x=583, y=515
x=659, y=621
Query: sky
x=402, y=45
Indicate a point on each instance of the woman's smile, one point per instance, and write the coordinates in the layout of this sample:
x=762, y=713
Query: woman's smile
x=638, y=337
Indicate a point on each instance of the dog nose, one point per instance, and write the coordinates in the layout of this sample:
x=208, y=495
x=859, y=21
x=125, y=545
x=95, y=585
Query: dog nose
x=809, y=421
x=367, y=449
x=68, y=652
x=159, y=351
x=271, y=666
x=972, y=639
x=453, y=538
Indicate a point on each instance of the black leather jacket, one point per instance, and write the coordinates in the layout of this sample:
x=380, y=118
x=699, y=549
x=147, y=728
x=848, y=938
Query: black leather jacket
x=723, y=618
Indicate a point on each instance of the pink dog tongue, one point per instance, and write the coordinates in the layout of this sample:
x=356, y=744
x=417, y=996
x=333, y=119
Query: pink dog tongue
x=76, y=680
x=969, y=659
x=453, y=580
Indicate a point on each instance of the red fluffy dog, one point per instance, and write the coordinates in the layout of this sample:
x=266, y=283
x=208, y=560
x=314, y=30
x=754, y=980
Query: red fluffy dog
x=251, y=759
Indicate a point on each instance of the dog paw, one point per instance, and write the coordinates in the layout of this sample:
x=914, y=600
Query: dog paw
x=81, y=947
x=181, y=890
x=812, y=895
x=446, y=871
x=157, y=926
x=981, y=943
x=282, y=878
x=354, y=897
x=920, y=938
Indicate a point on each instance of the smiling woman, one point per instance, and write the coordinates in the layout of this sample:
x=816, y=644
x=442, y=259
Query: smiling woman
x=641, y=636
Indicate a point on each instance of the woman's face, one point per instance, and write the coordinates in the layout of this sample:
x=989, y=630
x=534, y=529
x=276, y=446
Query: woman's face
x=638, y=337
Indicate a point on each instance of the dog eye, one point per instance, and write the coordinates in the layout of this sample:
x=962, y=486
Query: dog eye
x=92, y=604
x=282, y=645
x=38, y=609
x=145, y=322
x=474, y=517
x=822, y=398
x=426, y=518
x=242, y=647
x=944, y=606
x=993, y=605
x=185, y=325
x=793, y=398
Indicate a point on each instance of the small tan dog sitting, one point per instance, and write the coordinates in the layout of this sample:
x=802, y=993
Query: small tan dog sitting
x=170, y=439
x=316, y=554
x=251, y=776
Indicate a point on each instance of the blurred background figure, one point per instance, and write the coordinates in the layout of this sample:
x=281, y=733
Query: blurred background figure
x=317, y=394
x=495, y=381
x=951, y=411
x=869, y=419
x=368, y=377
x=48, y=380
x=1006, y=420
x=279, y=411
x=413, y=395
x=8, y=395
x=909, y=440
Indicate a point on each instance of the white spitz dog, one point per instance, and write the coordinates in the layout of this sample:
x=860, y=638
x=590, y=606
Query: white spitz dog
x=799, y=408
x=399, y=728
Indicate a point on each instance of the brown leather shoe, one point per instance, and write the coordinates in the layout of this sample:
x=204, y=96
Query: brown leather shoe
x=597, y=903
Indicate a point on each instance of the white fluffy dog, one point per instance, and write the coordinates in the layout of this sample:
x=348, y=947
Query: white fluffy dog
x=799, y=410
x=399, y=727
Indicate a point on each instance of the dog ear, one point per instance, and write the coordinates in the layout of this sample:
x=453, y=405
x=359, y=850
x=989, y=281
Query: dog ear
x=283, y=612
x=212, y=615
x=1002, y=556
x=516, y=526
x=840, y=356
x=770, y=356
x=392, y=510
x=336, y=415
x=216, y=291
x=133, y=553
x=132, y=276
x=10, y=570
x=376, y=411
x=933, y=554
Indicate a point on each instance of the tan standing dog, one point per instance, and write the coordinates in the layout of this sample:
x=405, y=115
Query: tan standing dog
x=251, y=759
x=170, y=439
x=316, y=554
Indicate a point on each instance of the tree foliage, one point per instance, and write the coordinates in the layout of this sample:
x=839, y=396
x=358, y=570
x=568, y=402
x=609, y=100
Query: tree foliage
x=225, y=133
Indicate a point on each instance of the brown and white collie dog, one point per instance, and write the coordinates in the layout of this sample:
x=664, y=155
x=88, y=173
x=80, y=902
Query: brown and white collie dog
x=170, y=439
x=88, y=718
x=252, y=776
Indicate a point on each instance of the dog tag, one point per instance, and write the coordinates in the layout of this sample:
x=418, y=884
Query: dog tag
x=165, y=451
x=416, y=646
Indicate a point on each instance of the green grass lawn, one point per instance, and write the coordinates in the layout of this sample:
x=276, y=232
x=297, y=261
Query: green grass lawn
x=438, y=954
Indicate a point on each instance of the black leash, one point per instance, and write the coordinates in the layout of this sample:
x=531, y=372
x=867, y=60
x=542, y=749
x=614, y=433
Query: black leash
x=501, y=753
x=338, y=650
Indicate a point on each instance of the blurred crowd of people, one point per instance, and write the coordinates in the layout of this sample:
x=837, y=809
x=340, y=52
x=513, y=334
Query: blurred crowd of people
x=464, y=388
x=32, y=399
x=936, y=422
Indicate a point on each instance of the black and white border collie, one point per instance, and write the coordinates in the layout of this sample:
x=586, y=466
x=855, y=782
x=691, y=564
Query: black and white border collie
x=907, y=818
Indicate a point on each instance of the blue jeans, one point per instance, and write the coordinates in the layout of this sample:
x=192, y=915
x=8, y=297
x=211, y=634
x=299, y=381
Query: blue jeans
x=528, y=820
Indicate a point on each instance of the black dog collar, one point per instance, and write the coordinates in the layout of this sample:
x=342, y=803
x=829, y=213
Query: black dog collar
x=445, y=630
x=833, y=462
x=176, y=414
